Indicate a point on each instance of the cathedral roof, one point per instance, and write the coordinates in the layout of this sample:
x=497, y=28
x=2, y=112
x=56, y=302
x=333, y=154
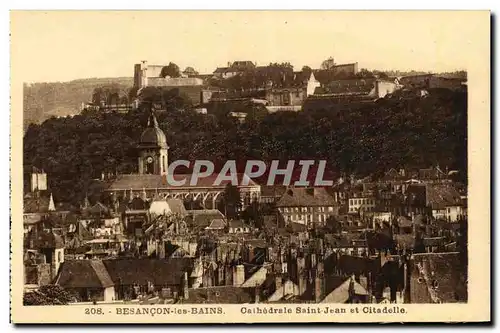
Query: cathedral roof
x=139, y=182
x=153, y=135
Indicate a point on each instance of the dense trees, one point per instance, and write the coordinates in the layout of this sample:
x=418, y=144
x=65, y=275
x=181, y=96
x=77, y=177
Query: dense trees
x=171, y=70
x=328, y=64
x=411, y=132
x=48, y=295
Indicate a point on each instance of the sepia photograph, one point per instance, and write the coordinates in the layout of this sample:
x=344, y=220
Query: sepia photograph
x=227, y=166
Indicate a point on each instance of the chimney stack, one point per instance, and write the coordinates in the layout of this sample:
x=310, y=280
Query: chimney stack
x=257, y=295
x=185, y=286
x=238, y=275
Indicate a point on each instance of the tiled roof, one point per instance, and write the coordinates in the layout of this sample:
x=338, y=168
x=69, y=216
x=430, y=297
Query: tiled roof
x=203, y=218
x=237, y=224
x=49, y=240
x=363, y=86
x=139, y=182
x=84, y=274
x=170, y=206
x=306, y=197
x=141, y=271
x=99, y=208
x=404, y=222
x=442, y=196
x=260, y=243
x=341, y=293
x=433, y=241
x=220, y=295
x=32, y=218
x=405, y=241
x=221, y=70
x=34, y=204
x=445, y=275
x=177, y=206
x=217, y=224
x=272, y=190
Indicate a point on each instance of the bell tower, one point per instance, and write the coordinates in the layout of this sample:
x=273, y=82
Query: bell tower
x=153, y=149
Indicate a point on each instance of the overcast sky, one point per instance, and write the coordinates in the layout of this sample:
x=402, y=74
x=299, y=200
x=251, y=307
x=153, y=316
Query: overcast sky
x=61, y=46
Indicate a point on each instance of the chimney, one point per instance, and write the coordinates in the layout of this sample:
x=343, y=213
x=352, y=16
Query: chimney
x=185, y=286
x=313, y=260
x=383, y=257
x=406, y=283
x=318, y=287
x=257, y=295
x=238, y=275
x=301, y=274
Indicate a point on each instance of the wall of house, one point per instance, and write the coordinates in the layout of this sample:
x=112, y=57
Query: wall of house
x=307, y=215
x=287, y=288
x=281, y=108
x=382, y=88
x=351, y=69
x=58, y=259
x=238, y=275
x=44, y=274
x=382, y=216
x=109, y=294
x=174, y=82
x=256, y=279
x=439, y=82
x=312, y=84
x=453, y=213
x=439, y=213
x=355, y=204
x=38, y=182
x=282, y=97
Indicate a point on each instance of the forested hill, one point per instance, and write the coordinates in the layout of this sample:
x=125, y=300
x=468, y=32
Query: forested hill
x=43, y=100
x=399, y=132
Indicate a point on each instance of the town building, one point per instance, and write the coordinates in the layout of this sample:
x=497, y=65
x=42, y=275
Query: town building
x=309, y=206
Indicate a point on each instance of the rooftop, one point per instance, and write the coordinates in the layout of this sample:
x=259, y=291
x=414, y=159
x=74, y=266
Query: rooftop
x=306, y=197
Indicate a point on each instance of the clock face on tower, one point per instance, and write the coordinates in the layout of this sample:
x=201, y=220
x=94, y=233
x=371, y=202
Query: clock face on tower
x=149, y=160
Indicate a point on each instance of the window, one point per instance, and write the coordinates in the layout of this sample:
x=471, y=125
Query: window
x=330, y=209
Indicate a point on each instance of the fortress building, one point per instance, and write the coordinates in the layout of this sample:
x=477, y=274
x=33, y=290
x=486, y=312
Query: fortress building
x=150, y=183
x=146, y=75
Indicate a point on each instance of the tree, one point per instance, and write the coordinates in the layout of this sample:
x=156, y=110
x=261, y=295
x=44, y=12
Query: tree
x=365, y=74
x=307, y=71
x=171, y=70
x=97, y=96
x=232, y=201
x=189, y=71
x=328, y=64
x=333, y=225
x=49, y=295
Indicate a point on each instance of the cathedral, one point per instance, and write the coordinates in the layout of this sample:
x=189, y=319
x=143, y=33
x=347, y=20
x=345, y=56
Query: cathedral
x=150, y=183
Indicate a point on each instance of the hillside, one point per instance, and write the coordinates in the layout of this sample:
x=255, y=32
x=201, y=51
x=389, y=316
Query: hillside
x=43, y=100
x=392, y=133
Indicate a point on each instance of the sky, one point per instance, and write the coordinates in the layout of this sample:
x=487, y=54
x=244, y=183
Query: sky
x=67, y=45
